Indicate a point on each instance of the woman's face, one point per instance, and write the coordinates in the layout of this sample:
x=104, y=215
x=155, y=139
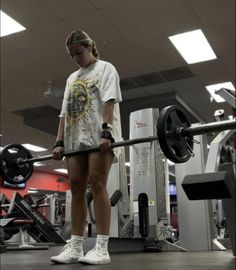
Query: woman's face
x=80, y=54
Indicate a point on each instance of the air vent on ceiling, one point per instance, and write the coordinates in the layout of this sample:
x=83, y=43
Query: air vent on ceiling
x=44, y=118
x=148, y=79
x=41, y=111
x=128, y=83
x=163, y=76
x=175, y=74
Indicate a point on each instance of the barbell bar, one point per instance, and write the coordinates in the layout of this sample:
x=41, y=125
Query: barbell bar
x=16, y=162
x=211, y=127
x=88, y=150
x=174, y=133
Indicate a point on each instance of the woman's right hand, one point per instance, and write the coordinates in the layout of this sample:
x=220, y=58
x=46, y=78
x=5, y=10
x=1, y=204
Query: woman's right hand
x=58, y=153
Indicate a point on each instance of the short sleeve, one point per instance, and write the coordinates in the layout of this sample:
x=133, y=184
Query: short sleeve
x=110, y=84
x=64, y=102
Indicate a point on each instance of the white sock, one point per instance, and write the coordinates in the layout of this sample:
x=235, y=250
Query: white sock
x=77, y=240
x=102, y=242
x=78, y=237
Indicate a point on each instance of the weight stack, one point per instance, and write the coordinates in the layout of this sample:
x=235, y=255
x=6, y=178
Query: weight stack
x=146, y=170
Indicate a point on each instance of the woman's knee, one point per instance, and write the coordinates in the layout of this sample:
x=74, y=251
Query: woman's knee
x=77, y=188
x=97, y=182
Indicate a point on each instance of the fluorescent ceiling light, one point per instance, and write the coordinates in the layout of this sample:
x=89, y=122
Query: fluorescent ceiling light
x=9, y=25
x=214, y=87
x=34, y=147
x=29, y=147
x=61, y=171
x=39, y=164
x=193, y=46
x=33, y=190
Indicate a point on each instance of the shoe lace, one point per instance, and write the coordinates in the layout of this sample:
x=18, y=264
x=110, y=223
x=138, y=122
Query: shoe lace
x=100, y=249
x=68, y=249
x=67, y=246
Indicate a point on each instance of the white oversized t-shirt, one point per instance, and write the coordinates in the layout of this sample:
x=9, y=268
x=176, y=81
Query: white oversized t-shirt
x=87, y=89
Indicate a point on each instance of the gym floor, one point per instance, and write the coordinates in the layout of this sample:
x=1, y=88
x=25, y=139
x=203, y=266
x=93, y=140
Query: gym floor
x=37, y=260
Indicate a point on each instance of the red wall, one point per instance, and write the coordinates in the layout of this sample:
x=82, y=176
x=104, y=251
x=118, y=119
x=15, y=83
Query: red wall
x=39, y=180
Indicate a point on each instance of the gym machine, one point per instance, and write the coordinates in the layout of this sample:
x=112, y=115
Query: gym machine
x=149, y=186
x=212, y=185
x=21, y=217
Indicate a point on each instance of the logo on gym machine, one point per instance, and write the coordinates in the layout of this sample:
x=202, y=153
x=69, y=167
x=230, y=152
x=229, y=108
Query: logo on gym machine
x=138, y=124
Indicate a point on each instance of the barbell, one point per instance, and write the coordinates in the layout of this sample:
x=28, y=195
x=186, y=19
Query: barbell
x=174, y=133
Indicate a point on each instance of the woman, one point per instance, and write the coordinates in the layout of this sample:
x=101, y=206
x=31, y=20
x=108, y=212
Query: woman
x=89, y=117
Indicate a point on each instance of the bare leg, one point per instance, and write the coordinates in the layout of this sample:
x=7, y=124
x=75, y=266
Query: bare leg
x=99, y=167
x=78, y=176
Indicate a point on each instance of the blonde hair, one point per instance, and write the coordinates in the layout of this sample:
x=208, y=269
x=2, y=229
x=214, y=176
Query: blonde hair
x=80, y=37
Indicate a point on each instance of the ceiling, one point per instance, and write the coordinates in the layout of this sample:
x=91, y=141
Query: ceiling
x=133, y=35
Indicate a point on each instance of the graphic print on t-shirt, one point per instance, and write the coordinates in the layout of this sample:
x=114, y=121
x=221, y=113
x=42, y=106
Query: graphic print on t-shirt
x=79, y=102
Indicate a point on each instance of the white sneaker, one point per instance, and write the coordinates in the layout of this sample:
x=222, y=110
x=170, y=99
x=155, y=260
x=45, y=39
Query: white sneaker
x=69, y=254
x=96, y=256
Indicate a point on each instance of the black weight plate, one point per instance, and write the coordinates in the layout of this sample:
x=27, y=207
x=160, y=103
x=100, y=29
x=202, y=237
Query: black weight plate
x=174, y=146
x=10, y=170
